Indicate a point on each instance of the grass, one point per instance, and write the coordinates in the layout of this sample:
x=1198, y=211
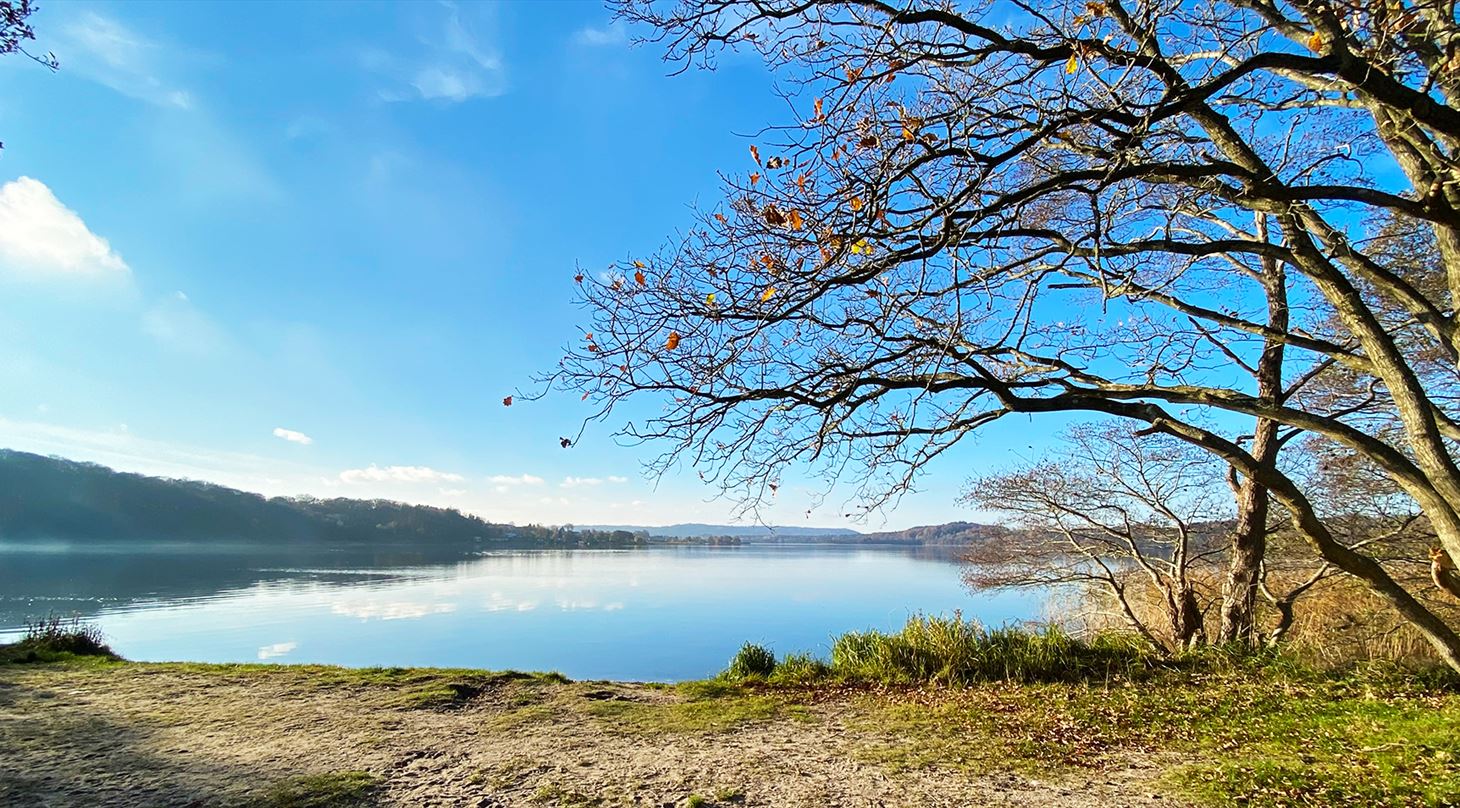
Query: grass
x=414, y=688
x=57, y=639
x=950, y=651
x=331, y=790
x=1247, y=737
x=1261, y=730
x=701, y=707
x=750, y=661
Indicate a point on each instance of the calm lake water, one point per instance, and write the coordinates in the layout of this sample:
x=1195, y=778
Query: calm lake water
x=662, y=613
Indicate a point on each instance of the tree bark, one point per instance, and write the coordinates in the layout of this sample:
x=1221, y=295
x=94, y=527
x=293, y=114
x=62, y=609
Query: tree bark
x=1249, y=538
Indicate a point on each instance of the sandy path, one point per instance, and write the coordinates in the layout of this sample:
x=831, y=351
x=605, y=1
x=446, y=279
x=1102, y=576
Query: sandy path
x=149, y=735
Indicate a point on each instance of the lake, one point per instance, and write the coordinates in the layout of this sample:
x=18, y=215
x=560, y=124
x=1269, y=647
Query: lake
x=660, y=613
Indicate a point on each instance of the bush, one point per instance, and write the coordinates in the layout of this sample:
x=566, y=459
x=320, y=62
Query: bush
x=752, y=660
x=55, y=638
x=951, y=650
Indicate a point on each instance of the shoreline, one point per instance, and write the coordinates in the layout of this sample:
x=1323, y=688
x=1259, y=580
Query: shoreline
x=90, y=731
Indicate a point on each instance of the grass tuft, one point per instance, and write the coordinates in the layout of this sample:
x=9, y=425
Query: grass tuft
x=752, y=661
x=57, y=639
x=331, y=790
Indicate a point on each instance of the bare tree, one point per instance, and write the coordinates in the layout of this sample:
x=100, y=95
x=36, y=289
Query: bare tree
x=1030, y=208
x=1114, y=510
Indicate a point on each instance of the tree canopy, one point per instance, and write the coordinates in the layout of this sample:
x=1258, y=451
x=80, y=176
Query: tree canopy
x=981, y=209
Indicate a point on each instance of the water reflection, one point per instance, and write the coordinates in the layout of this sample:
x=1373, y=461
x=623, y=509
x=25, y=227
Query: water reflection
x=656, y=613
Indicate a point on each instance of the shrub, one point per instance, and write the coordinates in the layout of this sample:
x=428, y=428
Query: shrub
x=55, y=637
x=752, y=660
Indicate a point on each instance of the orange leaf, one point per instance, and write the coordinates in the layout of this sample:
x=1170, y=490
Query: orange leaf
x=836, y=153
x=1315, y=42
x=754, y=178
x=639, y=264
x=856, y=203
x=720, y=217
x=817, y=108
x=1073, y=64
x=639, y=277
x=578, y=278
x=673, y=341
x=507, y=402
x=767, y=294
x=801, y=182
x=794, y=219
x=754, y=152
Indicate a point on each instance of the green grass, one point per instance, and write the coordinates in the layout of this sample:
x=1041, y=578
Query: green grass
x=751, y=661
x=332, y=790
x=954, y=651
x=1235, y=737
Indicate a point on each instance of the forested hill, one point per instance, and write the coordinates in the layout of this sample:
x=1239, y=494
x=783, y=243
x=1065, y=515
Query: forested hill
x=950, y=534
x=54, y=498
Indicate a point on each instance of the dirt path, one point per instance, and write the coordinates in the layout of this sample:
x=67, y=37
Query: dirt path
x=158, y=735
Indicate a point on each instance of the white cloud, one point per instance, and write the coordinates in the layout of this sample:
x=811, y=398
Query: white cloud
x=292, y=436
x=278, y=649
x=39, y=235
x=452, y=492
x=398, y=474
x=105, y=51
x=615, y=33
x=454, y=64
x=582, y=482
x=522, y=479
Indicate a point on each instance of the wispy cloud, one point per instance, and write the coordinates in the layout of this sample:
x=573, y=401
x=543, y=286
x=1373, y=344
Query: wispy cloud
x=455, y=63
x=398, y=474
x=615, y=33
x=179, y=326
x=582, y=482
x=105, y=51
x=39, y=235
x=292, y=436
x=521, y=479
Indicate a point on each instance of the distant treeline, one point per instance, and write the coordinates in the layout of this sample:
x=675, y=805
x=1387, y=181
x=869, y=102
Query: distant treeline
x=54, y=498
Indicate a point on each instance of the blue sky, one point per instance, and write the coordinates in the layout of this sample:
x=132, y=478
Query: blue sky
x=308, y=249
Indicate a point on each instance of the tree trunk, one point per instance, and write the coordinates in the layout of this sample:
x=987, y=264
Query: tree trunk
x=1248, y=547
x=1188, y=620
x=1249, y=538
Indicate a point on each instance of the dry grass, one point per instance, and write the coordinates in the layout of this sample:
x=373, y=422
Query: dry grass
x=1338, y=623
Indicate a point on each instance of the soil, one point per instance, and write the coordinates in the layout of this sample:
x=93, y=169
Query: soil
x=158, y=735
